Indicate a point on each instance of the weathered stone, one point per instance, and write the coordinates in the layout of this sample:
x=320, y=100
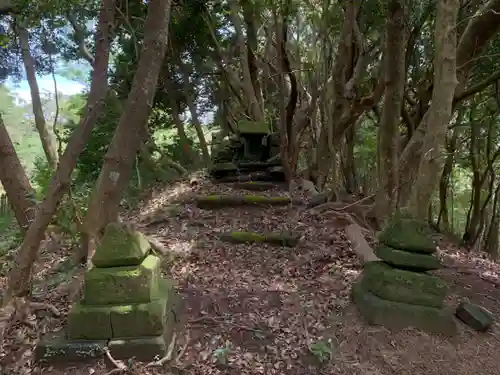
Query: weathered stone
x=120, y=246
x=56, y=348
x=398, y=316
x=123, y=285
x=405, y=233
x=146, y=348
x=407, y=260
x=136, y=320
x=399, y=285
x=143, y=349
x=474, y=316
x=89, y=323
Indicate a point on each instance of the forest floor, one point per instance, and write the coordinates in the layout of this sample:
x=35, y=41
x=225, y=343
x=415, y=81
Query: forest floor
x=257, y=309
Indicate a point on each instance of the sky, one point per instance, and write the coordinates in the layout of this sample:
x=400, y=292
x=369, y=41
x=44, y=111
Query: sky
x=46, y=84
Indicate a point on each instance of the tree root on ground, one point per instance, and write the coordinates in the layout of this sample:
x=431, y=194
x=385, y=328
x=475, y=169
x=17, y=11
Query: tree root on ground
x=18, y=310
x=359, y=244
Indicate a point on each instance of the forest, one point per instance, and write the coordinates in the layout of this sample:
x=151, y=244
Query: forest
x=261, y=152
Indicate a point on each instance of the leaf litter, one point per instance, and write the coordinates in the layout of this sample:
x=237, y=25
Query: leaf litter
x=260, y=309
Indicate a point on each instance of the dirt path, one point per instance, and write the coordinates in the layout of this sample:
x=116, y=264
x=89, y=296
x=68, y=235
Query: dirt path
x=254, y=309
x=257, y=309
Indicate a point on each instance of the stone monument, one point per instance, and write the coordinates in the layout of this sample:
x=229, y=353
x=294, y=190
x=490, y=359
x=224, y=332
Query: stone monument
x=398, y=292
x=126, y=305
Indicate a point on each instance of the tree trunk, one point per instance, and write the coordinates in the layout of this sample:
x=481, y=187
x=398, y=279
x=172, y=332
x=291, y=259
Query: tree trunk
x=48, y=141
x=395, y=75
x=20, y=276
x=445, y=82
x=188, y=92
x=443, y=220
x=14, y=181
x=119, y=160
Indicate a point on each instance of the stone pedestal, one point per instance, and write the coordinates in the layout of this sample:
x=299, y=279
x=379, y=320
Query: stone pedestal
x=126, y=304
x=398, y=292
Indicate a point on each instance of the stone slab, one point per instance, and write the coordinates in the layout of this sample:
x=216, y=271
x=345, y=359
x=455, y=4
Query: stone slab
x=122, y=285
x=418, y=288
x=398, y=316
x=407, y=260
x=474, y=316
x=57, y=348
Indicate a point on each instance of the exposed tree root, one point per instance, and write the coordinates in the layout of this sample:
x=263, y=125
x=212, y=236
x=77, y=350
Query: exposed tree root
x=120, y=367
x=359, y=244
x=168, y=357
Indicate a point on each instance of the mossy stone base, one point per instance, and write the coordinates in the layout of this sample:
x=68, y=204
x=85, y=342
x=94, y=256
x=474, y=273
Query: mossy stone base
x=474, y=316
x=407, y=260
x=56, y=348
x=123, y=285
x=146, y=348
x=121, y=246
x=405, y=233
x=409, y=287
x=145, y=319
x=89, y=322
x=398, y=316
x=278, y=239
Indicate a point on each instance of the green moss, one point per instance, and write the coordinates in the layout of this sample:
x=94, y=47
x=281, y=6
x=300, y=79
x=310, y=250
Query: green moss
x=405, y=233
x=398, y=316
x=138, y=320
x=123, y=285
x=248, y=236
x=89, y=322
x=404, y=286
x=407, y=260
x=120, y=246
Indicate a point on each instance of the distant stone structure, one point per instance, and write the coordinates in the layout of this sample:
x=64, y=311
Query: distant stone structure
x=126, y=307
x=398, y=292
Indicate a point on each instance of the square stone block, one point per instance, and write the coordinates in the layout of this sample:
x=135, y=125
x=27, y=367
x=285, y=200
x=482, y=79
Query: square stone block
x=123, y=285
x=57, y=348
x=145, y=319
x=89, y=322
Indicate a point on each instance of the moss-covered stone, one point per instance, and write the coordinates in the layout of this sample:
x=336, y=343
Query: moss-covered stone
x=138, y=320
x=252, y=127
x=254, y=186
x=409, y=287
x=221, y=201
x=474, y=316
x=405, y=233
x=89, y=323
x=123, y=285
x=397, y=315
x=407, y=260
x=279, y=239
x=120, y=246
x=57, y=348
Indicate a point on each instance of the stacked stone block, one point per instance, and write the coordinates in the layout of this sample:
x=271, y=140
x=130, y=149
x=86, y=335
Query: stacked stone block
x=126, y=305
x=398, y=292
